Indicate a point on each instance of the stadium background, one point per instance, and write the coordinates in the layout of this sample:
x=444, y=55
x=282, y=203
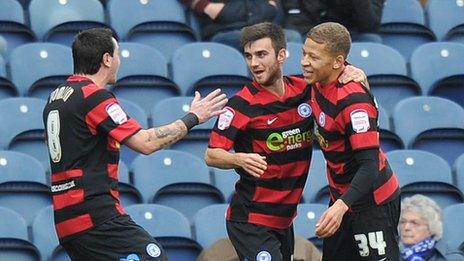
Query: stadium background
x=415, y=68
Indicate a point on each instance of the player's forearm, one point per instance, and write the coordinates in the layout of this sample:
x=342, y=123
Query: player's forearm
x=364, y=179
x=219, y=158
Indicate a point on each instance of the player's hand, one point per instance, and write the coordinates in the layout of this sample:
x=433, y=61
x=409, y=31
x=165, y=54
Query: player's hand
x=209, y=106
x=354, y=74
x=331, y=219
x=252, y=163
x=213, y=10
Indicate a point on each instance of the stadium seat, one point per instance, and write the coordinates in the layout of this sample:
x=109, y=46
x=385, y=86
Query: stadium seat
x=317, y=189
x=38, y=68
x=453, y=226
x=224, y=180
x=44, y=236
x=386, y=70
x=143, y=76
x=176, y=179
x=160, y=24
x=210, y=224
x=403, y=26
x=292, y=64
x=23, y=187
x=129, y=195
x=127, y=155
x=221, y=67
x=437, y=67
x=197, y=139
x=7, y=88
x=21, y=127
x=431, y=123
x=306, y=219
x=449, y=27
x=64, y=19
x=169, y=227
x=459, y=171
x=13, y=25
x=388, y=139
x=14, y=243
x=421, y=172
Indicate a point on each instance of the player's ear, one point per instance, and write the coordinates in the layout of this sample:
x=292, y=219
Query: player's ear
x=106, y=59
x=282, y=55
x=338, y=63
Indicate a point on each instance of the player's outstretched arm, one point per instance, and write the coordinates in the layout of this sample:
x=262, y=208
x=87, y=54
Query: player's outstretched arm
x=252, y=163
x=201, y=110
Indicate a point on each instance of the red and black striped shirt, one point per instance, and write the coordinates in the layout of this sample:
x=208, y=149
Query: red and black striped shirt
x=346, y=123
x=257, y=121
x=84, y=127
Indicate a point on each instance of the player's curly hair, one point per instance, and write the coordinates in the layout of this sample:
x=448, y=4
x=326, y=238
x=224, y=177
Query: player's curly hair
x=255, y=32
x=334, y=35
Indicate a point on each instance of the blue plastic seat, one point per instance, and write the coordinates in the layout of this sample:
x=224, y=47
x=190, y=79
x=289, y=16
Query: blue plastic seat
x=44, y=236
x=176, y=179
x=13, y=25
x=431, y=123
x=459, y=171
x=210, y=224
x=128, y=194
x=22, y=129
x=7, y=88
x=48, y=65
x=225, y=180
x=14, y=243
x=388, y=139
x=169, y=227
x=64, y=19
x=160, y=24
x=171, y=109
x=292, y=64
x=421, y=172
x=386, y=70
x=306, y=219
x=143, y=76
x=317, y=189
x=403, y=26
x=448, y=27
x=453, y=226
x=437, y=67
x=210, y=66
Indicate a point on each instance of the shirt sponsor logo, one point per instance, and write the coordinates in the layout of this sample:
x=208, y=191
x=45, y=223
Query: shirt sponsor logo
x=289, y=140
x=304, y=110
x=263, y=256
x=62, y=187
x=323, y=143
x=225, y=119
x=360, y=121
x=153, y=250
x=116, y=113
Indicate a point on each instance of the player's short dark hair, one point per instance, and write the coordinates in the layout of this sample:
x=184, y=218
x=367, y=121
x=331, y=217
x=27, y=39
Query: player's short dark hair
x=88, y=48
x=262, y=30
x=334, y=35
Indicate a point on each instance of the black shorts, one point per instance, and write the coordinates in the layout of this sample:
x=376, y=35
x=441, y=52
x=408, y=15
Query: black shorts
x=118, y=239
x=253, y=242
x=371, y=234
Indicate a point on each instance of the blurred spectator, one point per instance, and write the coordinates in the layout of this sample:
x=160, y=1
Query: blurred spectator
x=421, y=229
x=221, y=20
x=359, y=16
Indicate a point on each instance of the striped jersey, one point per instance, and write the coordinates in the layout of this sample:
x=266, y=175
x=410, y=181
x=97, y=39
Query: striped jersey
x=280, y=128
x=84, y=127
x=346, y=119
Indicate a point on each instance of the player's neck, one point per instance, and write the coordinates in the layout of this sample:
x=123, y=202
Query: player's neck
x=277, y=87
x=333, y=76
x=97, y=78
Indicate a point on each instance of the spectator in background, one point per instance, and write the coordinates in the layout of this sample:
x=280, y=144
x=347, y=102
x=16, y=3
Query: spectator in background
x=221, y=20
x=359, y=16
x=421, y=230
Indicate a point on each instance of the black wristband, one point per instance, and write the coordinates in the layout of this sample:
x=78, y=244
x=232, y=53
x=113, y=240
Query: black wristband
x=190, y=120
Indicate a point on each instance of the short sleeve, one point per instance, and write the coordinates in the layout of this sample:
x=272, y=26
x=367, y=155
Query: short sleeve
x=106, y=116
